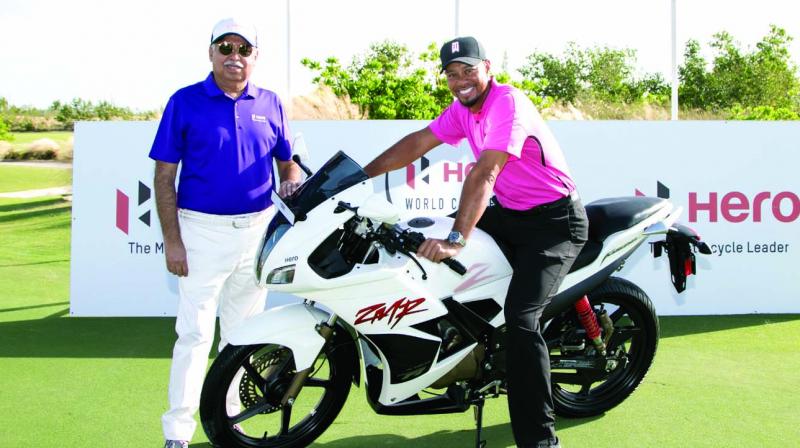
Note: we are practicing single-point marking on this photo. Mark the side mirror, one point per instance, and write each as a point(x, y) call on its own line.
point(379, 209)
point(300, 153)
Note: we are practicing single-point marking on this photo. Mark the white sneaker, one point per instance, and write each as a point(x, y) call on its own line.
point(176, 444)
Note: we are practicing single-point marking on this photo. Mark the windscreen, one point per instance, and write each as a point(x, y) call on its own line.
point(336, 175)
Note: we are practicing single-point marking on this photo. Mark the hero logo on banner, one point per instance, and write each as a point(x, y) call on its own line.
point(661, 191)
point(144, 212)
point(737, 207)
point(123, 208)
point(431, 185)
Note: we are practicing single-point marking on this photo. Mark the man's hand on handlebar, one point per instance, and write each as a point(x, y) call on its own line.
point(437, 250)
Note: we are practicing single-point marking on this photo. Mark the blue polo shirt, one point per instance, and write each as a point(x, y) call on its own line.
point(225, 146)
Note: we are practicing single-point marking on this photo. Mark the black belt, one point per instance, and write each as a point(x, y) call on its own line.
point(541, 208)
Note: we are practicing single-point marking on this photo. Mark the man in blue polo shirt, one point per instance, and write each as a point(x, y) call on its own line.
point(225, 133)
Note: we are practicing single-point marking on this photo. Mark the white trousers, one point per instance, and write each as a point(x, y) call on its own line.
point(221, 252)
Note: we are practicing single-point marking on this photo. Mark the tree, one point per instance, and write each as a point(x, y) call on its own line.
point(82, 110)
point(693, 86)
point(560, 78)
point(743, 80)
point(777, 83)
point(387, 82)
point(609, 73)
point(600, 74)
point(5, 135)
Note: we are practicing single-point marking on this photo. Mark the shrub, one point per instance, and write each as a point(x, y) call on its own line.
point(42, 149)
point(5, 148)
point(762, 113)
point(5, 134)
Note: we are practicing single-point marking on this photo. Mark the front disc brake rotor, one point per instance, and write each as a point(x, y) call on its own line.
point(266, 365)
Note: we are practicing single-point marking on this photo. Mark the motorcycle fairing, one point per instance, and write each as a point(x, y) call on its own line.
point(378, 370)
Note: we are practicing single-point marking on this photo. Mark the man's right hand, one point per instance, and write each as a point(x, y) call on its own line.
point(175, 254)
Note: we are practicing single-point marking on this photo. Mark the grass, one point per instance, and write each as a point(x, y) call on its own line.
point(19, 178)
point(23, 138)
point(721, 381)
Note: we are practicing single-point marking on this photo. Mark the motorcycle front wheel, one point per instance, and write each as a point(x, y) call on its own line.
point(586, 392)
point(259, 375)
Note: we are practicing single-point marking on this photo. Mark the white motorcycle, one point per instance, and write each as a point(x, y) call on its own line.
point(425, 337)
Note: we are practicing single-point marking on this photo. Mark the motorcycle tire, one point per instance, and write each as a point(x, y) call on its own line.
point(263, 422)
point(635, 339)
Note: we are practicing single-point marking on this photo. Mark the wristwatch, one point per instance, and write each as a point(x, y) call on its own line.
point(455, 237)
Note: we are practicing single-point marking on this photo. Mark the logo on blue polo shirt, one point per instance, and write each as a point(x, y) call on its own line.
point(258, 118)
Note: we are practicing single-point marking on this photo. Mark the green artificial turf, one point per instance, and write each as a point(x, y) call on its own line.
point(18, 178)
point(721, 381)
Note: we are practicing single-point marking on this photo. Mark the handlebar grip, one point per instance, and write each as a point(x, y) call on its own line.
point(455, 265)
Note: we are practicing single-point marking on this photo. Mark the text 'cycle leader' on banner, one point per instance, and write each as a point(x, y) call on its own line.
point(734, 180)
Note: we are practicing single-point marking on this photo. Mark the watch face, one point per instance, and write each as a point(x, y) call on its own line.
point(455, 238)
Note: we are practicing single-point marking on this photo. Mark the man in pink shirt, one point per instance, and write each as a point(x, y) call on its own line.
point(535, 214)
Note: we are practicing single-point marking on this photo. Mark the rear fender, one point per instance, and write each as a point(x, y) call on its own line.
point(680, 245)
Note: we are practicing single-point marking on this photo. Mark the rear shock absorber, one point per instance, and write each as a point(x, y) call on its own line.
point(589, 322)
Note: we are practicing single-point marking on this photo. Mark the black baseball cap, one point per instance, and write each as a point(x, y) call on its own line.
point(462, 49)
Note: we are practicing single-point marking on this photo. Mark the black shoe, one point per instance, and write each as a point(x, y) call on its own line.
point(549, 443)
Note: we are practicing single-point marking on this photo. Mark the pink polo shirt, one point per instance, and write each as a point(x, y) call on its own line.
point(536, 172)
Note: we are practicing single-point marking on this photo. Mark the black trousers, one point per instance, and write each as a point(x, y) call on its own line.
point(541, 245)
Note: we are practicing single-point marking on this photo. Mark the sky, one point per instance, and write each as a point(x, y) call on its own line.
point(137, 53)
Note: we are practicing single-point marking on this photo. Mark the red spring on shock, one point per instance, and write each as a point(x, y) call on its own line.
point(589, 322)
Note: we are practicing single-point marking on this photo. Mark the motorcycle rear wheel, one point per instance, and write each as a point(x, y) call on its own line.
point(266, 371)
point(585, 392)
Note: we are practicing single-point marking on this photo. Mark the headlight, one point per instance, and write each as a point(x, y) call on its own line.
point(281, 276)
point(270, 240)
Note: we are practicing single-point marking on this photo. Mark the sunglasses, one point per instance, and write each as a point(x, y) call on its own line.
point(226, 48)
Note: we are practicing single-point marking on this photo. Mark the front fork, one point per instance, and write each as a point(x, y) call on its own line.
point(326, 331)
point(588, 319)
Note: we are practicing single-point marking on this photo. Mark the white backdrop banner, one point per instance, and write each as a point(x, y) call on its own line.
point(737, 183)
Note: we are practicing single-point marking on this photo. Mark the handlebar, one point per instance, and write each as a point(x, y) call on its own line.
point(411, 241)
point(404, 241)
point(455, 265)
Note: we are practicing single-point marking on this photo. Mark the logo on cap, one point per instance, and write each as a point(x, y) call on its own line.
point(454, 47)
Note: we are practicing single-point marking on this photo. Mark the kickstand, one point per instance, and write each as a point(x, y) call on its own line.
point(479, 424)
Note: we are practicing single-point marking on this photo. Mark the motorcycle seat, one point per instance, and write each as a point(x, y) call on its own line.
point(610, 215)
